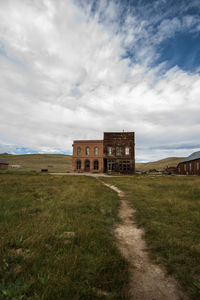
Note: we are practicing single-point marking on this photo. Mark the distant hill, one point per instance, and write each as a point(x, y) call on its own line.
point(63, 163)
point(52, 162)
point(160, 164)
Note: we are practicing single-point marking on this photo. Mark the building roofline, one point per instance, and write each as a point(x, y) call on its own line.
point(185, 161)
point(120, 132)
point(191, 157)
point(87, 141)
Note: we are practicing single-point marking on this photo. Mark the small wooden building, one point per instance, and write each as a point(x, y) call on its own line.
point(190, 165)
point(170, 170)
point(3, 164)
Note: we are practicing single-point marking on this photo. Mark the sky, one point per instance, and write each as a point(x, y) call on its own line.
point(74, 69)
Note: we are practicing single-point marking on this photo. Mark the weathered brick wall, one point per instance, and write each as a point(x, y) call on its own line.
point(121, 140)
point(189, 167)
point(91, 157)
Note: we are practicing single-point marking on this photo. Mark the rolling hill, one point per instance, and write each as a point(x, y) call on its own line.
point(160, 164)
point(36, 162)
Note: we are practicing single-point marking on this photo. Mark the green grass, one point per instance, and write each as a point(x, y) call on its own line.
point(168, 208)
point(36, 162)
point(56, 239)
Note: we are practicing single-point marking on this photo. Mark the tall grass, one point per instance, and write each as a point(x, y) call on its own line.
point(169, 210)
point(56, 239)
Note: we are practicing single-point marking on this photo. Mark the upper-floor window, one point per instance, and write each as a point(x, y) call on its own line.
point(127, 151)
point(96, 151)
point(78, 150)
point(87, 150)
point(109, 150)
point(118, 150)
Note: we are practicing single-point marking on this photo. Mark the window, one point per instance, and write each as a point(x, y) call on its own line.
point(118, 150)
point(127, 152)
point(111, 165)
point(96, 151)
point(110, 150)
point(124, 165)
point(78, 150)
point(87, 150)
point(198, 166)
point(185, 167)
point(96, 165)
point(78, 165)
point(190, 167)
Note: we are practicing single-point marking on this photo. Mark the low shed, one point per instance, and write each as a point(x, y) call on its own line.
point(3, 164)
point(190, 165)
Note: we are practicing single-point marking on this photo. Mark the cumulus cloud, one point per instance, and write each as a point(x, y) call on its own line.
point(71, 71)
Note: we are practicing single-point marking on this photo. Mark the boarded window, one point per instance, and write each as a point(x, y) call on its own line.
point(118, 150)
point(78, 150)
point(109, 150)
point(96, 165)
point(127, 151)
point(96, 151)
point(87, 151)
point(78, 165)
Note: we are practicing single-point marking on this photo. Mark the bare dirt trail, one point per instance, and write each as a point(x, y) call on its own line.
point(147, 281)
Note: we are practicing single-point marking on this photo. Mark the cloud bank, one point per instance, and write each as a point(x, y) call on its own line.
point(71, 71)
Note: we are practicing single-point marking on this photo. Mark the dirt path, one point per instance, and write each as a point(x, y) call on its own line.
point(147, 281)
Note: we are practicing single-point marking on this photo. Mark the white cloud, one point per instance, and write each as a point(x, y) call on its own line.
point(63, 78)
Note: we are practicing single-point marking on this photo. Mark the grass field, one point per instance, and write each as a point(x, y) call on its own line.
point(56, 239)
point(168, 208)
point(36, 162)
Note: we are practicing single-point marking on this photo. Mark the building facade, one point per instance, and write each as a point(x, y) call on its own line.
point(115, 153)
point(190, 165)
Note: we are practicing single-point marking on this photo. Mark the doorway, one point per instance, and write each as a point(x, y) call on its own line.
point(87, 165)
point(105, 165)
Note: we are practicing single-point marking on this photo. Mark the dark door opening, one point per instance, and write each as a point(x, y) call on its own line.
point(87, 165)
point(105, 165)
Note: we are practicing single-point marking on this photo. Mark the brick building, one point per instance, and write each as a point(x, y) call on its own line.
point(115, 153)
point(190, 165)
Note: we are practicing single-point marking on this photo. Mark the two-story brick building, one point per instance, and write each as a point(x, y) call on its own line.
point(115, 153)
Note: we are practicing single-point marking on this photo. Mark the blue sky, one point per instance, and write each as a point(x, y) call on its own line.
point(73, 69)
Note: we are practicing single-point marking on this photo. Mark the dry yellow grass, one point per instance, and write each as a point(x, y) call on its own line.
point(160, 164)
point(36, 162)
